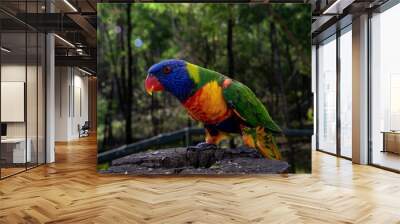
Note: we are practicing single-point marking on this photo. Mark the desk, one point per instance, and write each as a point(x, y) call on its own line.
point(16, 147)
point(391, 141)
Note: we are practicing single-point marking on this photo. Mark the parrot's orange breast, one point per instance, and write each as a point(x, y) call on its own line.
point(208, 104)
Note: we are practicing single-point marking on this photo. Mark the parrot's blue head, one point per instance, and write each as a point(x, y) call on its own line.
point(171, 75)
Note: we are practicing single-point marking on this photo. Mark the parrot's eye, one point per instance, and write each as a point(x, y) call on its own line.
point(167, 70)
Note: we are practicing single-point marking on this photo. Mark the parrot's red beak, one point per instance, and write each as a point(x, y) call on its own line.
point(152, 84)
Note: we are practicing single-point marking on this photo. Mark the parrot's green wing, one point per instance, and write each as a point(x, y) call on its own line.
point(248, 107)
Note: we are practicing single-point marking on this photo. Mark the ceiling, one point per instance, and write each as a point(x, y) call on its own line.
point(74, 22)
point(330, 15)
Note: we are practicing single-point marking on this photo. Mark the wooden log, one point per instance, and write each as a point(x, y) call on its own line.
point(183, 161)
point(166, 138)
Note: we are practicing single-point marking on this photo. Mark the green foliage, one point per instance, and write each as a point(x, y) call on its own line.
point(271, 55)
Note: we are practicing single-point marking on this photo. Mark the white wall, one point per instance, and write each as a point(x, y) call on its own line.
point(16, 73)
point(33, 127)
point(80, 110)
point(62, 81)
point(71, 102)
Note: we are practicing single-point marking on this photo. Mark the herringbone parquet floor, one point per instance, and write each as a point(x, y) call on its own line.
point(70, 191)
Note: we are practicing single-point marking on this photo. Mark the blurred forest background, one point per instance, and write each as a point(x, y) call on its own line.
point(265, 46)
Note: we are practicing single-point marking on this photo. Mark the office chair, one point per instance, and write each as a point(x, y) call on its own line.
point(84, 130)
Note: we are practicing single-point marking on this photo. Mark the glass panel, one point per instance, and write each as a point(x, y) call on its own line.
point(31, 97)
point(314, 91)
point(327, 96)
point(346, 93)
point(385, 84)
point(31, 86)
point(41, 99)
point(23, 88)
point(2, 161)
point(13, 87)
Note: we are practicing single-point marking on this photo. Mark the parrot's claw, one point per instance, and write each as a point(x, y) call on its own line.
point(202, 146)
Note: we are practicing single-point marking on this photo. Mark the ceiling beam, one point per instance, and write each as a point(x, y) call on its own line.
point(79, 61)
point(337, 7)
point(86, 27)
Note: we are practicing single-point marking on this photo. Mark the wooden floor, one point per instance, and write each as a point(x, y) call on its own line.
point(10, 171)
point(70, 191)
point(386, 159)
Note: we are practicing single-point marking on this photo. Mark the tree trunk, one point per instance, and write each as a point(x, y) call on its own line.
point(276, 70)
point(153, 117)
point(229, 47)
point(231, 61)
point(130, 73)
point(108, 135)
point(297, 86)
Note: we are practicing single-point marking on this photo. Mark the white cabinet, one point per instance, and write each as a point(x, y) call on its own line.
point(19, 155)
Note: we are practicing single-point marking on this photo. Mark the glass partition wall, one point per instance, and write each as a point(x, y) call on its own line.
point(334, 93)
point(335, 130)
point(22, 101)
point(345, 91)
point(13, 110)
point(327, 95)
point(385, 89)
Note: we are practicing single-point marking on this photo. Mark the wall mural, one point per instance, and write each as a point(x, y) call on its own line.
point(204, 88)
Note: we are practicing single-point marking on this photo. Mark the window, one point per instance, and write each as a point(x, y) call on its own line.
point(22, 101)
point(327, 95)
point(346, 92)
point(385, 88)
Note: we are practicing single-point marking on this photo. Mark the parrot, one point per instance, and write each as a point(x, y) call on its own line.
point(225, 106)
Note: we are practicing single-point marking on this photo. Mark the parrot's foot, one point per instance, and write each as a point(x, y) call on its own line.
point(202, 146)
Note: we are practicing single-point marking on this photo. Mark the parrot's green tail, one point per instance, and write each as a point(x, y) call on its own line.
point(266, 144)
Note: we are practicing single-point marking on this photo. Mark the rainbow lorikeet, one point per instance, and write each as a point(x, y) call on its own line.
point(224, 105)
